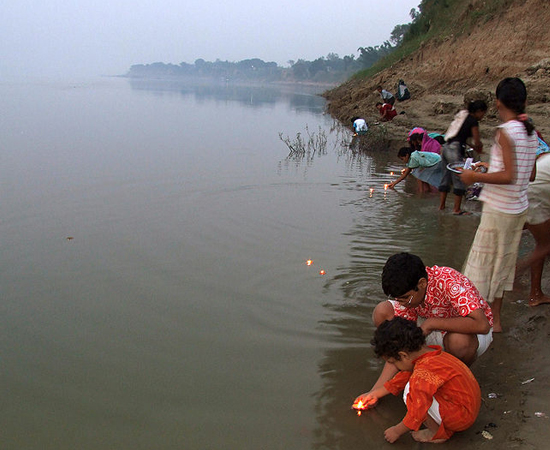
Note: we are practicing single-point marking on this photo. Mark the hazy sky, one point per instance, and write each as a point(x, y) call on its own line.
point(105, 37)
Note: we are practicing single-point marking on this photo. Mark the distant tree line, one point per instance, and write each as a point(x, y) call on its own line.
point(331, 68)
point(326, 69)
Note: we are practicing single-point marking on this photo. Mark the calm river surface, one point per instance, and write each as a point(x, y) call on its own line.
point(153, 277)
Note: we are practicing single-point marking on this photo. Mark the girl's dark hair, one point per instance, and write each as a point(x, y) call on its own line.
point(477, 105)
point(397, 335)
point(404, 151)
point(416, 137)
point(512, 93)
point(401, 274)
point(440, 139)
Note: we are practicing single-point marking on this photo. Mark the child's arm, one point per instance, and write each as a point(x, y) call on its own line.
point(506, 176)
point(395, 432)
point(371, 397)
point(474, 323)
point(478, 145)
point(401, 178)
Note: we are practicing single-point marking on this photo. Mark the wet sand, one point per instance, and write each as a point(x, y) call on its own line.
point(517, 370)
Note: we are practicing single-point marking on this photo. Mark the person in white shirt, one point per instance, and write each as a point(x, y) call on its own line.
point(359, 126)
point(387, 96)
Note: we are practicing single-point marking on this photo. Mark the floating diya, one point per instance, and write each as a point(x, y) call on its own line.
point(361, 406)
point(391, 173)
point(322, 272)
point(386, 187)
point(309, 262)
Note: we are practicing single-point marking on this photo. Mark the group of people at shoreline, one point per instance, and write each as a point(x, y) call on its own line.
point(437, 321)
point(432, 153)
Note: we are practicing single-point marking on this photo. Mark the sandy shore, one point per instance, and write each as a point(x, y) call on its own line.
point(514, 377)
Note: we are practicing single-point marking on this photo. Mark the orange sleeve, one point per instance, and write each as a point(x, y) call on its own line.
point(398, 382)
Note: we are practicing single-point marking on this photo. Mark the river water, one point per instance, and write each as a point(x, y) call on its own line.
point(154, 286)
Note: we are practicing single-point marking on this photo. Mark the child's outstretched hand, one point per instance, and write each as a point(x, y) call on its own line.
point(365, 401)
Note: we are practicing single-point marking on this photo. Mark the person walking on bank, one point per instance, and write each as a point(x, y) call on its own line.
point(538, 223)
point(454, 150)
point(492, 259)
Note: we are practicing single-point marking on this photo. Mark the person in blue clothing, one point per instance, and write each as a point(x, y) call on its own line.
point(425, 166)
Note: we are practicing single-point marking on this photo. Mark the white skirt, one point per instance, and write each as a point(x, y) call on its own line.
point(491, 263)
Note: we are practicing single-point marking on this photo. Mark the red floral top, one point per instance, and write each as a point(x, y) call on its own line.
point(448, 294)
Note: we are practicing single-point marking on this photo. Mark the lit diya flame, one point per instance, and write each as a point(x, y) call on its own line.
point(361, 406)
point(385, 187)
point(322, 272)
point(391, 173)
point(309, 262)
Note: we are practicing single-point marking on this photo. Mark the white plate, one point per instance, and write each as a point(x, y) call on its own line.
point(454, 167)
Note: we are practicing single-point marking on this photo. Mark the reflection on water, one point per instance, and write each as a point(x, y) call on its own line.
point(182, 315)
point(303, 98)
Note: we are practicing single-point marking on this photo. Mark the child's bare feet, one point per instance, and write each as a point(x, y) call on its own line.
point(539, 300)
point(426, 435)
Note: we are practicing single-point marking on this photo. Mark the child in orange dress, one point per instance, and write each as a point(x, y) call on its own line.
point(439, 389)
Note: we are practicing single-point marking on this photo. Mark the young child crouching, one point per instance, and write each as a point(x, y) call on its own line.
point(438, 389)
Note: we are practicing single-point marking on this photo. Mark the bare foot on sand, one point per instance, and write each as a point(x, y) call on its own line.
point(539, 300)
point(426, 435)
